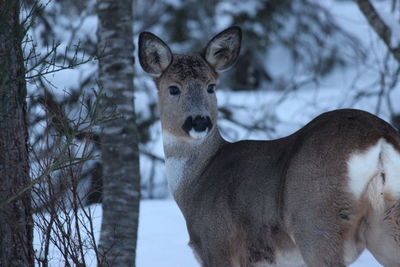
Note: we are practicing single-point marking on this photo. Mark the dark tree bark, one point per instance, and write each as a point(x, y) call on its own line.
point(119, 137)
point(15, 217)
point(379, 26)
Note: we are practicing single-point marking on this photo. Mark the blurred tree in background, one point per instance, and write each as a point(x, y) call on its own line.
point(306, 29)
point(119, 136)
point(303, 36)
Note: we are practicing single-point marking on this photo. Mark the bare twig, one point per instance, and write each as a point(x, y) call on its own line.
point(379, 26)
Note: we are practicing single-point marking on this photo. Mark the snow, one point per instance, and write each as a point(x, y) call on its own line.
point(162, 238)
point(249, 7)
point(68, 221)
point(291, 111)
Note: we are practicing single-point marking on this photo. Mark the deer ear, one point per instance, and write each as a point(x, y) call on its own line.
point(223, 49)
point(154, 55)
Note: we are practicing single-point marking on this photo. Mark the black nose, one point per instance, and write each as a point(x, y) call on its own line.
point(199, 124)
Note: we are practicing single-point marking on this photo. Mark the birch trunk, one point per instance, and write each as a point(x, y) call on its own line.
point(119, 137)
point(15, 217)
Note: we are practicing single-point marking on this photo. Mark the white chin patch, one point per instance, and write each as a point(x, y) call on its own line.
point(198, 135)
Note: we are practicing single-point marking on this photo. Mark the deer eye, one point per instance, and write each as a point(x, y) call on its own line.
point(211, 88)
point(174, 90)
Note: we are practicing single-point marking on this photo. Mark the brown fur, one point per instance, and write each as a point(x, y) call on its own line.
point(174, 110)
point(254, 201)
point(392, 217)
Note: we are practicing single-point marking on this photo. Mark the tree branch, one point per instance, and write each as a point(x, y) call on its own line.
point(379, 26)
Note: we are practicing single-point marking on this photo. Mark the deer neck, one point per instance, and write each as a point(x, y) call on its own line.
point(186, 159)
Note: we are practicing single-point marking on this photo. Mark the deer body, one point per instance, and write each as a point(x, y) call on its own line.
point(318, 197)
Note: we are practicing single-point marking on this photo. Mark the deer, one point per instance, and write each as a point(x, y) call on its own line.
point(317, 197)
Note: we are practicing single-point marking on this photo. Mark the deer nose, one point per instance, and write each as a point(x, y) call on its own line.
point(201, 123)
point(198, 123)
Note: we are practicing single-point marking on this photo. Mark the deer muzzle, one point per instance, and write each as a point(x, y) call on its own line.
point(197, 126)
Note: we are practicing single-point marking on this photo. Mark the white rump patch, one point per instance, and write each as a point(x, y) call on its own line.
point(174, 170)
point(391, 165)
point(375, 171)
point(198, 135)
point(362, 167)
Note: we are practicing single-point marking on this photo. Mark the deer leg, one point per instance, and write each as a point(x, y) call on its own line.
point(217, 258)
point(215, 254)
point(392, 218)
point(321, 234)
point(384, 239)
point(325, 250)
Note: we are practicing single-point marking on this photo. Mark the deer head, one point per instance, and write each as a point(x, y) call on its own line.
point(186, 83)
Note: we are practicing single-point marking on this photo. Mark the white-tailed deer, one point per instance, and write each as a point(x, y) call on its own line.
point(318, 197)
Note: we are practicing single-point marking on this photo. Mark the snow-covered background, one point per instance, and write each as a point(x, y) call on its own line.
point(162, 240)
point(162, 243)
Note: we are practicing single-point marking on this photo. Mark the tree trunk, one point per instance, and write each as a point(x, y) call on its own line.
point(119, 137)
point(15, 217)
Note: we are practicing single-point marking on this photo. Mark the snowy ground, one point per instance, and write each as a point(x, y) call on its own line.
point(163, 238)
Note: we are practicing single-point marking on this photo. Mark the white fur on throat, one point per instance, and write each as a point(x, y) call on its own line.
point(174, 168)
point(175, 165)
